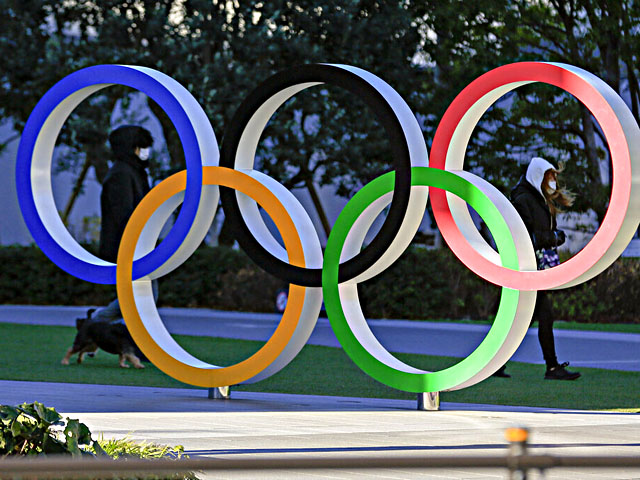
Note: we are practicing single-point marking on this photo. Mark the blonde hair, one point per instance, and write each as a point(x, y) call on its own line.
point(560, 197)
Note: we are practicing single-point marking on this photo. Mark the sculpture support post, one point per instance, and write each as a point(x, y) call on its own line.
point(429, 401)
point(220, 393)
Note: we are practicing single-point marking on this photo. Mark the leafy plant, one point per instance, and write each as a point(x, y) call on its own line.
point(125, 447)
point(33, 429)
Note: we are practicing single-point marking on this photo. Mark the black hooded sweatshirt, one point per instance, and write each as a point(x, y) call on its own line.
point(125, 184)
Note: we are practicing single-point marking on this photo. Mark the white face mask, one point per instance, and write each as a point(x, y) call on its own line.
point(144, 154)
point(552, 185)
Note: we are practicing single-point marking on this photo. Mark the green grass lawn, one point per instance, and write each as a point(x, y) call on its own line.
point(33, 353)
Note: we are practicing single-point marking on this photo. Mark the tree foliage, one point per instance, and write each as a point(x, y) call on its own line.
point(33, 429)
point(220, 51)
point(537, 119)
point(429, 51)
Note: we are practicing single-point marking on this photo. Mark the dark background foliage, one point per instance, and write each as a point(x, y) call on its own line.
point(422, 284)
point(427, 50)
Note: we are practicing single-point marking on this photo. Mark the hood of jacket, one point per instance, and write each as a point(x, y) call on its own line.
point(125, 139)
point(535, 172)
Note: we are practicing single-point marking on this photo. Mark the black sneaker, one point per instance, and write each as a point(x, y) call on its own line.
point(501, 372)
point(560, 373)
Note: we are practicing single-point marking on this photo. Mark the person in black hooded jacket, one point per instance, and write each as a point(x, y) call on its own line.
point(124, 186)
point(537, 199)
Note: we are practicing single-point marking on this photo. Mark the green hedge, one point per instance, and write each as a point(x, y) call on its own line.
point(29, 277)
point(428, 284)
point(434, 284)
point(219, 278)
point(611, 297)
point(421, 284)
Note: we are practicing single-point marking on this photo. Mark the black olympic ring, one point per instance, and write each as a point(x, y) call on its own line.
point(263, 93)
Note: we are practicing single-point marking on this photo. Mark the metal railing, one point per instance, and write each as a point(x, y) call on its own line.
point(49, 467)
point(517, 462)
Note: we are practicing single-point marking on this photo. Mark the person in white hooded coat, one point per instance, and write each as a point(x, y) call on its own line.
point(537, 198)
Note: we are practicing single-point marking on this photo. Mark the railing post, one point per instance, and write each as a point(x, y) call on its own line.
point(517, 438)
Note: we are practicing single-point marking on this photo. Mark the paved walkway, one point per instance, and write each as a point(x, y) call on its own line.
point(290, 426)
point(261, 424)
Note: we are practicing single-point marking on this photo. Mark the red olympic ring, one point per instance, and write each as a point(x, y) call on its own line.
point(622, 134)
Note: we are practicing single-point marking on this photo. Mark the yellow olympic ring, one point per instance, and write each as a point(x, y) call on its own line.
point(135, 296)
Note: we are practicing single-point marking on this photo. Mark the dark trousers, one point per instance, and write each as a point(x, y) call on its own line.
point(543, 313)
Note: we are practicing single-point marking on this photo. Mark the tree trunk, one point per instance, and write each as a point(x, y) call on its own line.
point(315, 198)
point(94, 157)
point(633, 90)
point(174, 147)
point(226, 236)
point(591, 150)
point(76, 188)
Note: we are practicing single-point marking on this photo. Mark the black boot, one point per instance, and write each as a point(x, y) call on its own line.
point(560, 373)
point(501, 372)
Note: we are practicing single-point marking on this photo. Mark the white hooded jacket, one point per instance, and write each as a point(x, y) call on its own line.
point(535, 172)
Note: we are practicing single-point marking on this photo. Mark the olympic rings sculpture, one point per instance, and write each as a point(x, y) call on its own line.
point(333, 276)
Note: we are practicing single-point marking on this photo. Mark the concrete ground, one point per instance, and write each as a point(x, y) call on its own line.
point(258, 425)
point(278, 425)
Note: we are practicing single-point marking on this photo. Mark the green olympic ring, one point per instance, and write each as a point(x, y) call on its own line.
point(352, 331)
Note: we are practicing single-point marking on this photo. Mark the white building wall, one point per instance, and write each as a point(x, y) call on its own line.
point(12, 227)
point(13, 230)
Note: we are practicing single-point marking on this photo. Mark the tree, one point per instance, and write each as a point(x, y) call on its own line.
point(326, 135)
point(467, 40)
point(428, 51)
point(600, 37)
point(322, 136)
point(43, 41)
point(220, 51)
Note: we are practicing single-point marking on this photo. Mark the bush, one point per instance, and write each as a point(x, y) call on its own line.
point(611, 297)
point(29, 277)
point(218, 278)
point(421, 284)
point(33, 429)
point(428, 284)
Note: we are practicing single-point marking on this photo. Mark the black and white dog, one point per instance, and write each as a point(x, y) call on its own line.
point(112, 337)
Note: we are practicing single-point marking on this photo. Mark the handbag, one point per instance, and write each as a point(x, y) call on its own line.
point(547, 258)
